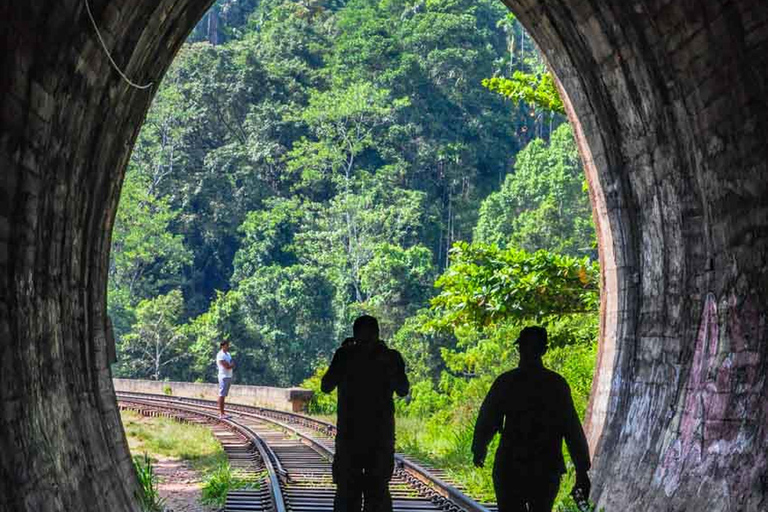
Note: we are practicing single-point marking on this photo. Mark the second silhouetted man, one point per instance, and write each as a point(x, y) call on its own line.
point(533, 409)
point(367, 374)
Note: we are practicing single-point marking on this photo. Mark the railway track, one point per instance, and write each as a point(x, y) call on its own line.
point(290, 455)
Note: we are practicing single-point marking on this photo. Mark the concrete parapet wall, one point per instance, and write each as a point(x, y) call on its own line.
point(286, 399)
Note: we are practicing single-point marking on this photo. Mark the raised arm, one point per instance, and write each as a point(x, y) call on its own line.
point(400, 380)
point(490, 420)
point(332, 377)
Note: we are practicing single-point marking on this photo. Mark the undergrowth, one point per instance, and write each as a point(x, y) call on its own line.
point(164, 437)
point(220, 481)
point(149, 498)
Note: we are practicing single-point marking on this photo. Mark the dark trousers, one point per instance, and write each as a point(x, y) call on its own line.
point(524, 495)
point(361, 475)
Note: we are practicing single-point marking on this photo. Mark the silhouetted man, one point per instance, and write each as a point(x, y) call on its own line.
point(533, 409)
point(366, 373)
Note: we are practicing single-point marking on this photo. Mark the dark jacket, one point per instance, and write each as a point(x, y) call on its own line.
point(366, 375)
point(533, 409)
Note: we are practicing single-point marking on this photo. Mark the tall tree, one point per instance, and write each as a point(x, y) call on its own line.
point(544, 203)
point(146, 257)
point(156, 340)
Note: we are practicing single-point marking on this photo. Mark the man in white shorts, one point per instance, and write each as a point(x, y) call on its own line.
point(225, 364)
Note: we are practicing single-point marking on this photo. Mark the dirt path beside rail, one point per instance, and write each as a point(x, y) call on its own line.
point(180, 485)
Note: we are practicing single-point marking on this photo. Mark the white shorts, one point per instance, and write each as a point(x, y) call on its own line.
point(224, 384)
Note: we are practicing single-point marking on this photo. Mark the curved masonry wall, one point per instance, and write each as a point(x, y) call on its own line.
point(671, 99)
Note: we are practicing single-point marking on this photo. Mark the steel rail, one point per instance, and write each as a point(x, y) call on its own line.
point(443, 489)
point(269, 459)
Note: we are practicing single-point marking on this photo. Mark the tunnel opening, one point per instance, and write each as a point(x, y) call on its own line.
point(193, 194)
point(669, 104)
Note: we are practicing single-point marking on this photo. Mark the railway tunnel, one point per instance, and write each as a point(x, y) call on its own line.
point(668, 100)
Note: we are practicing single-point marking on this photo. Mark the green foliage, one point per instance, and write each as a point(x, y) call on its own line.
point(141, 239)
point(220, 482)
point(485, 285)
point(488, 295)
point(149, 498)
point(322, 100)
point(223, 320)
point(395, 283)
point(146, 256)
point(420, 344)
point(576, 362)
point(268, 237)
point(164, 437)
point(308, 162)
point(543, 204)
point(425, 400)
point(286, 315)
point(535, 89)
point(155, 340)
point(276, 315)
point(320, 403)
point(343, 124)
point(353, 235)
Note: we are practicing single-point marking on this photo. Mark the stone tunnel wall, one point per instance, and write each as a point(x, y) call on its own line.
point(67, 125)
point(669, 102)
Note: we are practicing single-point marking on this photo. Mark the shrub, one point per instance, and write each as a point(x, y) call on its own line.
point(220, 482)
point(149, 498)
point(424, 400)
point(320, 403)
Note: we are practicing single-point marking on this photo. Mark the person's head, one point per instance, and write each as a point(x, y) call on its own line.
point(532, 343)
point(224, 345)
point(366, 329)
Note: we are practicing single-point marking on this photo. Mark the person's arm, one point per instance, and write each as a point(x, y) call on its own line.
point(490, 420)
point(332, 377)
point(577, 444)
point(400, 380)
point(224, 363)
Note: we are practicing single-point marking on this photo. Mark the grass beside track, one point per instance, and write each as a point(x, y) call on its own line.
point(448, 447)
point(163, 437)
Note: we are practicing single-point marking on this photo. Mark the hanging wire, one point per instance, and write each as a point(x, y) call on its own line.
point(103, 45)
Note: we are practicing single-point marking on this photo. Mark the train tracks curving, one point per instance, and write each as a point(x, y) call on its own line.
point(290, 456)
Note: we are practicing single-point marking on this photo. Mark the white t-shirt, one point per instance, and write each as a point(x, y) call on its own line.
point(224, 373)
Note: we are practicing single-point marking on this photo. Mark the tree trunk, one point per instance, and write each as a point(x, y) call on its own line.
point(213, 26)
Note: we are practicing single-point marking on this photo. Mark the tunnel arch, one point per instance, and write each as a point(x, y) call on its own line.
point(668, 100)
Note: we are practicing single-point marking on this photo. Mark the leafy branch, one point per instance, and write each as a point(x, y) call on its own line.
point(485, 285)
point(534, 89)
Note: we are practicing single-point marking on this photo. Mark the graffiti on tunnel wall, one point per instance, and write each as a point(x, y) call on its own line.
point(724, 387)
